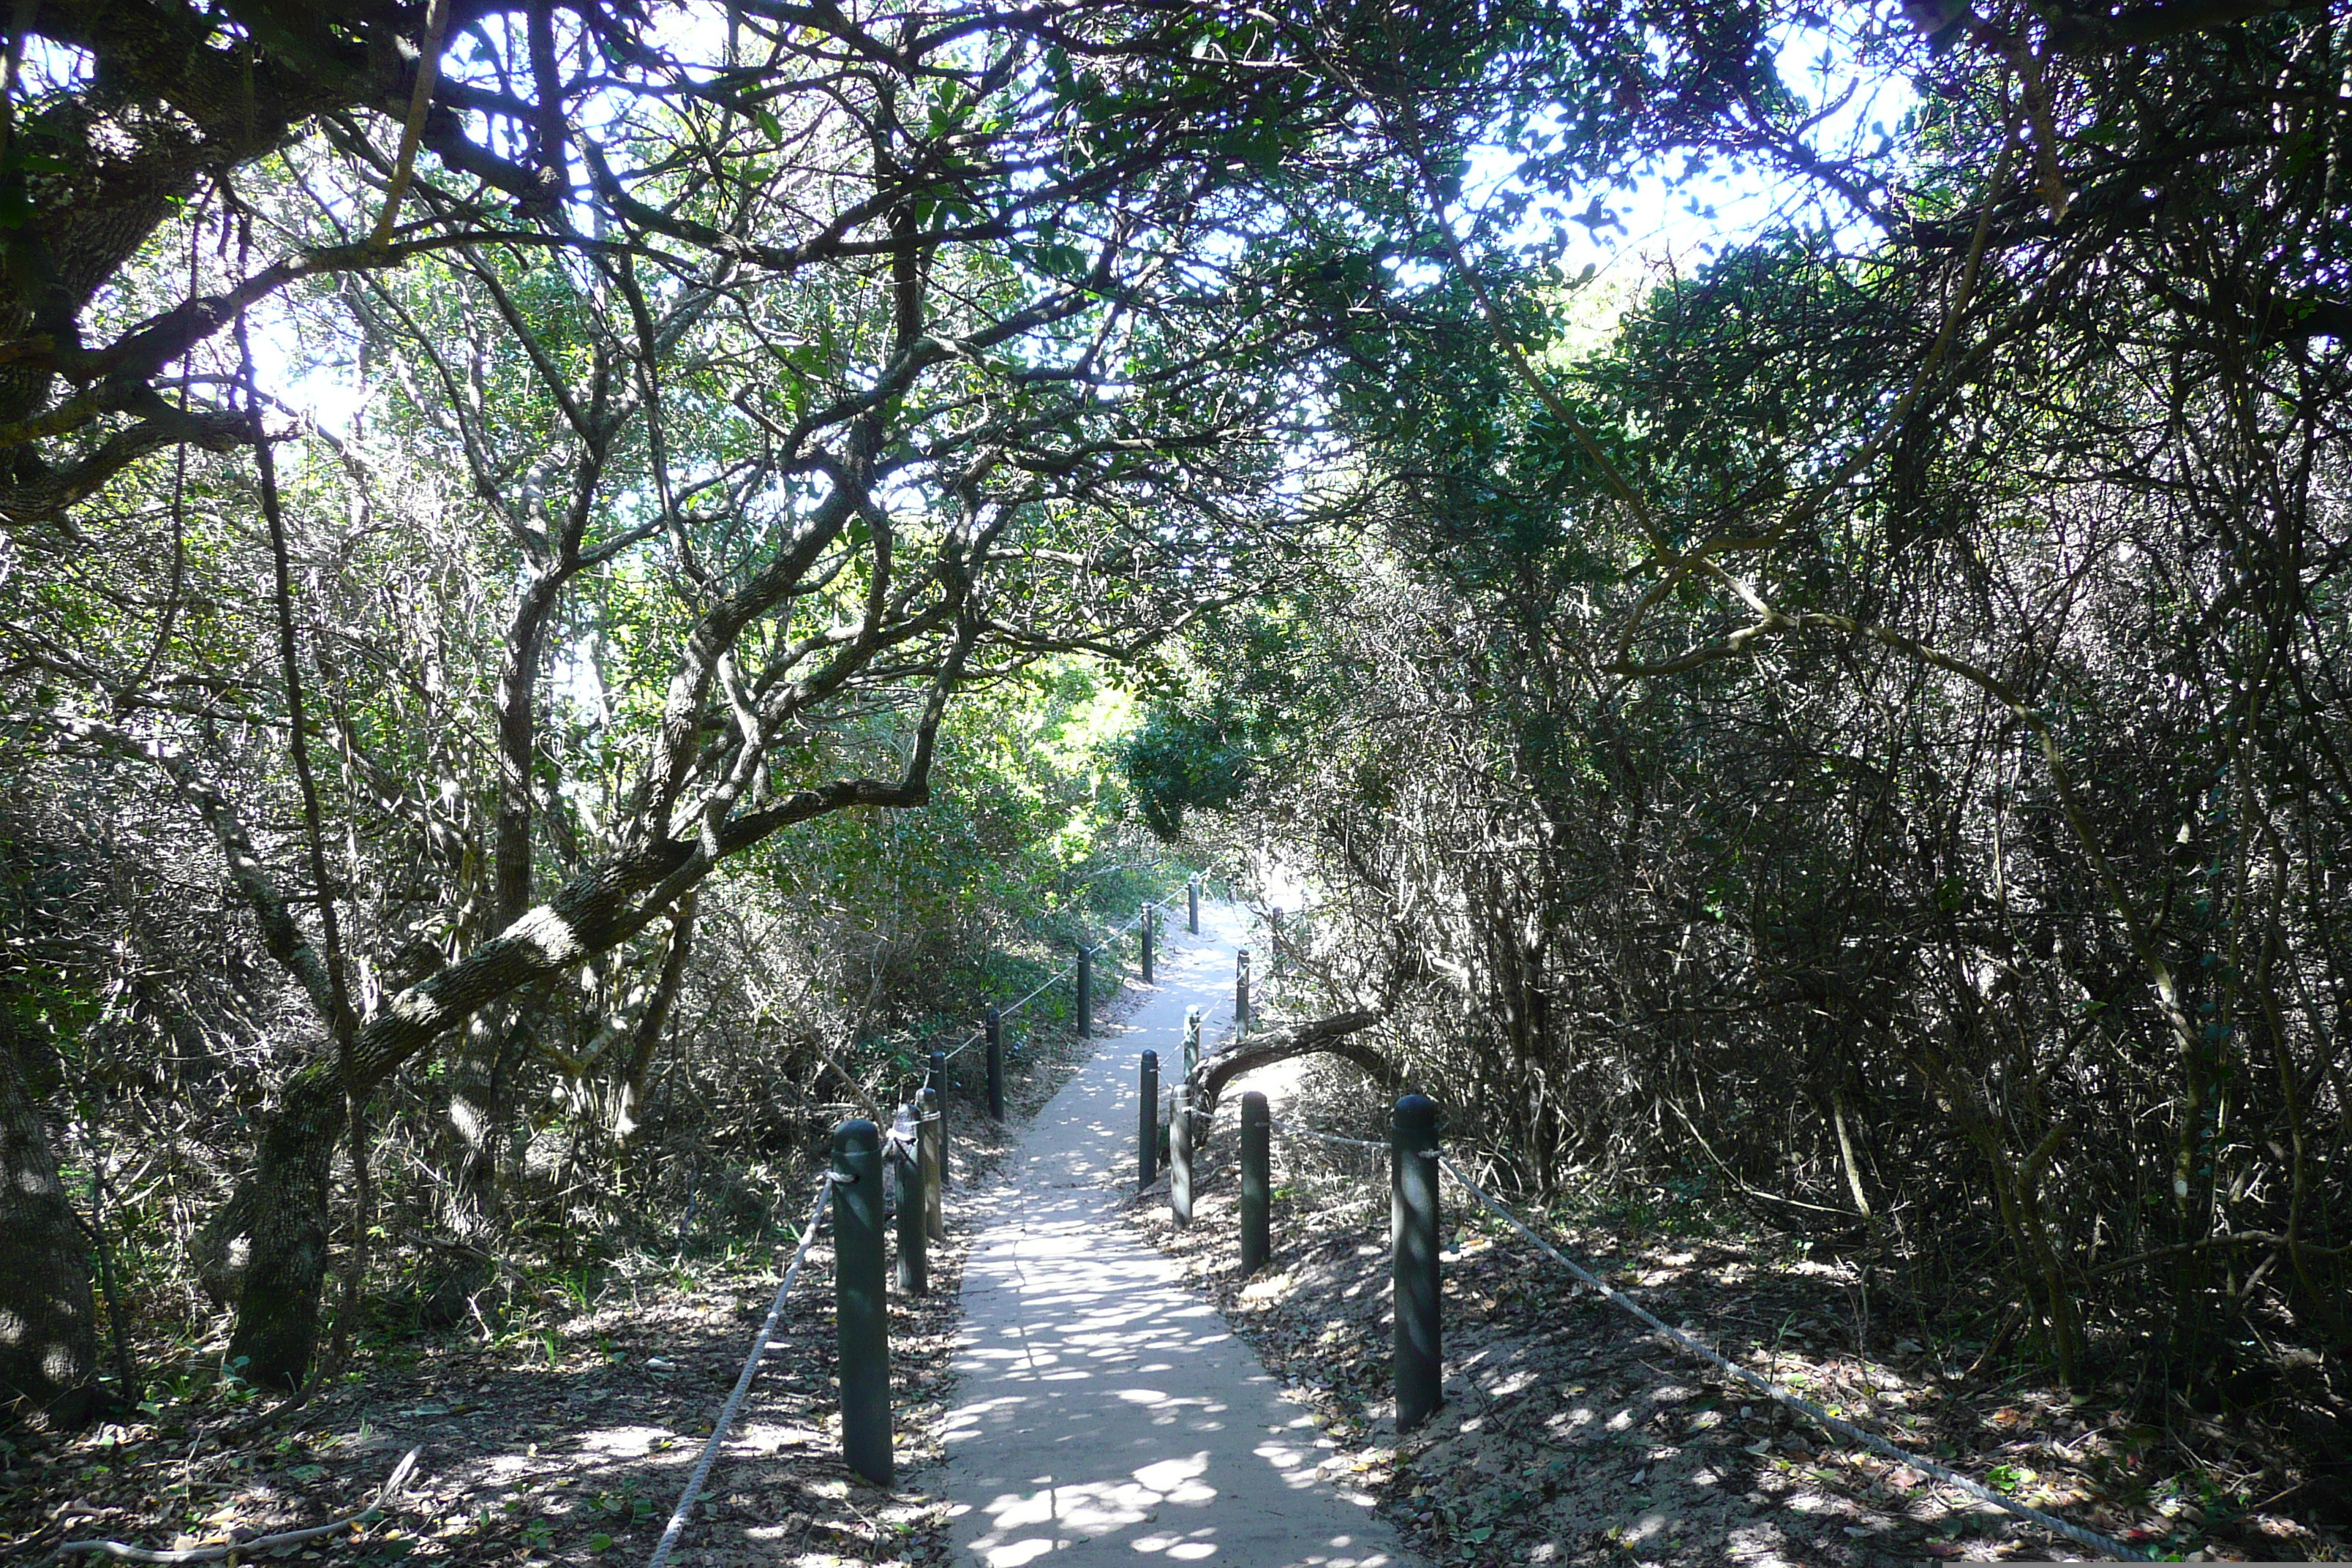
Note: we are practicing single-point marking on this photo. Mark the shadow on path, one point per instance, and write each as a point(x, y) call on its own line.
point(1103, 1412)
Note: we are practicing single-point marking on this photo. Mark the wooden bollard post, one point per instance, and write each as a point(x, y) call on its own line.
point(1241, 992)
point(938, 1083)
point(860, 1312)
point(1147, 1132)
point(1420, 1364)
point(1258, 1182)
point(1192, 905)
point(995, 1065)
point(1085, 991)
point(912, 1275)
point(1192, 1042)
point(1148, 913)
point(932, 1154)
point(1180, 1156)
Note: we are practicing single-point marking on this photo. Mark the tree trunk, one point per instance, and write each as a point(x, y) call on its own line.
point(281, 1204)
point(49, 1319)
point(474, 1130)
point(645, 1039)
point(283, 1201)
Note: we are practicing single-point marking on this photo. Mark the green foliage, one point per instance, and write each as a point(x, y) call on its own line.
point(1181, 759)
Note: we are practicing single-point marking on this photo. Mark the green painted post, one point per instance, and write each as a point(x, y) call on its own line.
point(1192, 905)
point(1180, 1157)
point(1241, 992)
point(860, 1312)
point(1258, 1182)
point(995, 1065)
point(912, 1276)
point(939, 1084)
point(1192, 1042)
point(931, 1151)
point(1085, 991)
point(1146, 1157)
point(1420, 1364)
point(1148, 913)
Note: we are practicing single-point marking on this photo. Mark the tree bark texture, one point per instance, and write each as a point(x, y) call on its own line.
point(1325, 1035)
point(48, 1329)
point(283, 1203)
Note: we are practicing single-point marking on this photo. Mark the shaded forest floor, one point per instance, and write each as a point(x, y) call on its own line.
point(1572, 1435)
point(562, 1435)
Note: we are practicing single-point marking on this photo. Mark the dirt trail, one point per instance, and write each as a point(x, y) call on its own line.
point(1102, 1410)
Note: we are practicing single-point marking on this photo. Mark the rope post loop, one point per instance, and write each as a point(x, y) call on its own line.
point(995, 1065)
point(912, 1273)
point(861, 1323)
point(1147, 1132)
point(1150, 919)
point(931, 1158)
point(1257, 1182)
point(1241, 992)
point(1180, 1156)
point(938, 1083)
point(1085, 991)
point(1420, 1367)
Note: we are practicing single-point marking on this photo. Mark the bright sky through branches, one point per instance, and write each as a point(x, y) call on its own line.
point(1685, 219)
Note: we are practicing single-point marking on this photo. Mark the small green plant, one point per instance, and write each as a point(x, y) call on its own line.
point(578, 1291)
point(624, 1507)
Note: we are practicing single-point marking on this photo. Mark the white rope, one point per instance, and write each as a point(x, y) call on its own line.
point(742, 1384)
point(1053, 980)
point(1327, 1137)
point(1806, 1408)
point(1056, 980)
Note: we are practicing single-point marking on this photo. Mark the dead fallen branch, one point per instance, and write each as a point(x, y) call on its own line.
point(130, 1553)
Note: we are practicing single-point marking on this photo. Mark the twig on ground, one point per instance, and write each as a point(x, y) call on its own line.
point(130, 1553)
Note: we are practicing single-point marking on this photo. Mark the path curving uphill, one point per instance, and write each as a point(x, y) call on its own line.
point(1104, 1412)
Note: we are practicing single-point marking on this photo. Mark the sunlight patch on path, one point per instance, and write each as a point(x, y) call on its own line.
point(1104, 1412)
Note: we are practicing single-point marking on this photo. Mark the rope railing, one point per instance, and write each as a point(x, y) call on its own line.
point(1805, 1407)
point(977, 1035)
point(1256, 1185)
point(1286, 1127)
point(727, 1411)
point(916, 1151)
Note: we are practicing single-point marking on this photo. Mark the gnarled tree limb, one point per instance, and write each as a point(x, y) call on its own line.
point(1254, 1051)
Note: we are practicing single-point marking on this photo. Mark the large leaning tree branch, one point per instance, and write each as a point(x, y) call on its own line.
point(1334, 1036)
